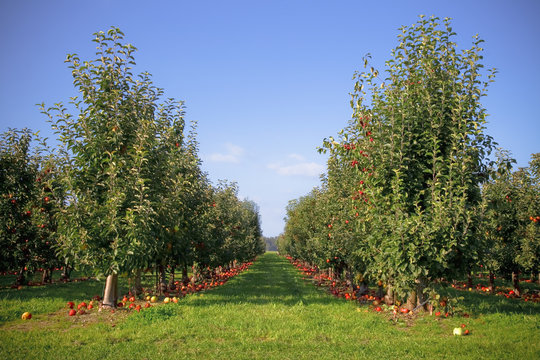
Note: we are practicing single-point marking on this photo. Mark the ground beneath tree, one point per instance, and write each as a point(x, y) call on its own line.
point(270, 312)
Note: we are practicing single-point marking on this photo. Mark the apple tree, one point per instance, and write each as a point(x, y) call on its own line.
point(109, 216)
point(238, 225)
point(18, 174)
point(417, 143)
point(181, 200)
point(509, 222)
point(28, 205)
point(529, 213)
point(302, 229)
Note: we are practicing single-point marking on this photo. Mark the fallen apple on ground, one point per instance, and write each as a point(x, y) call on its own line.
point(26, 316)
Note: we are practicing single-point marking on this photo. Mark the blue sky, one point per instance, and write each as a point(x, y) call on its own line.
point(266, 81)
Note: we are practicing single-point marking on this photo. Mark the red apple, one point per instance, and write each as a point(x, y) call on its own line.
point(72, 312)
point(26, 316)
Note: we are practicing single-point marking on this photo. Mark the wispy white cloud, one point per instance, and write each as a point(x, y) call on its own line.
point(300, 168)
point(232, 155)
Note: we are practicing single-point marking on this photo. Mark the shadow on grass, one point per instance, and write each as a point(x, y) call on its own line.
point(66, 291)
point(271, 280)
point(77, 289)
point(477, 303)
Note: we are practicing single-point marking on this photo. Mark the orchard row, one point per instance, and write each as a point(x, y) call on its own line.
point(412, 194)
point(123, 192)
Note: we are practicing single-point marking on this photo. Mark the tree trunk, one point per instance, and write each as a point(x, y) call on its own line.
point(172, 286)
point(417, 299)
point(491, 282)
point(423, 298)
point(339, 272)
point(469, 280)
point(380, 292)
point(389, 297)
point(162, 282)
point(535, 276)
point(110, 297)
point(137, 285)
point(349, 278)
point(46, 276)
point(185, 277)
point(411, 300)
point(515, 282)
point(362, 289)
point(65, 273)
point(195, 276)
point(20, 277)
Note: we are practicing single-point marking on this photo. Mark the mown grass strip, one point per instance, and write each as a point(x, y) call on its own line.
point(268, 312)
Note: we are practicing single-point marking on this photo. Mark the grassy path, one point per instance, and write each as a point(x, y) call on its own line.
point(267, 312)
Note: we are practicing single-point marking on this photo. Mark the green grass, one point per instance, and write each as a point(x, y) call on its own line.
point(267, 312)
